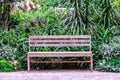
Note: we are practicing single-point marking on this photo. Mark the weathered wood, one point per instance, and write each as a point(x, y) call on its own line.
point(59, 61)
point(59, 54)
point(28, 60)
point(52, 45)
point(61, 36)
point(33, 41)
point(60, 41)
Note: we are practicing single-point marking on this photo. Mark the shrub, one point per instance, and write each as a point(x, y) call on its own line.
point(111, 49)
point(110, 54)
point(7, 52)
point(110, 64)
point(6, 66)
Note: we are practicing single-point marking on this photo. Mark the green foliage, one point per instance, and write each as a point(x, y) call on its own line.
point(6, 66)
point(7, 52)
point(107, 13)
point(108, 64)
point(110, 54)
point(5, 8)
point(88, 17)
point(47, 3)
point(116, 3)
point(112, 49)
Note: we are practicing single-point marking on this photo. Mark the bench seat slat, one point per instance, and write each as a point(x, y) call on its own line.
point(59, 54)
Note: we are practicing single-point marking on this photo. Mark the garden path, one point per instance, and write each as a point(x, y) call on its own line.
point(59, 75)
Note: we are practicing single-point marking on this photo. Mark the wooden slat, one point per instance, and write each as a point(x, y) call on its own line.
point(59, 41)
point(68, 52)
point(65, 40)
point(62, 36)
point(50, 45)
point(59, 54)
point(59, 61)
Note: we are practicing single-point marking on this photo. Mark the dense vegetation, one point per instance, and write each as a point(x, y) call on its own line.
point(101, 19)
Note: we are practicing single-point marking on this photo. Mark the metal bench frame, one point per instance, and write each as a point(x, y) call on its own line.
point(60, 41)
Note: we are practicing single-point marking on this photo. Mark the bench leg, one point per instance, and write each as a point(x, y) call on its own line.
point(91, 63)
point(28, 64)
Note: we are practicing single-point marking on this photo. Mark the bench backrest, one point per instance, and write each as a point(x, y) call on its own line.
point(60, 41)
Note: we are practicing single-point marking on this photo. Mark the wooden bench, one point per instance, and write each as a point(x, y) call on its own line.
point(60, 41)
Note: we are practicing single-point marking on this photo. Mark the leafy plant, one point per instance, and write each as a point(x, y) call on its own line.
point(7, 52)
point(112, 49)
point(107, 13)
point(6, 66)
point(116, 3)
point(110, 64)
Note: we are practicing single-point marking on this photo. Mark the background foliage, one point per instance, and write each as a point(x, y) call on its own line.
point(101, 19)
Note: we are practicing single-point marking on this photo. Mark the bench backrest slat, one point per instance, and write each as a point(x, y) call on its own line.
point(60, 40)
point(62, 36)
point(43, 45)
point(32, 41)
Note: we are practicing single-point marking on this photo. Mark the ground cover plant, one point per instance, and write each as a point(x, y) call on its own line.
point(100, 19)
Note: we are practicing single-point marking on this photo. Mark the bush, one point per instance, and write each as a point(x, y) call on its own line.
point(112, 49)
point(7, 52)
point(110, 64)
point(6, 66)
point(110, 54)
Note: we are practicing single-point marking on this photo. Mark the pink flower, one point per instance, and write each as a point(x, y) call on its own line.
point(57, 14)
point(56, 8)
